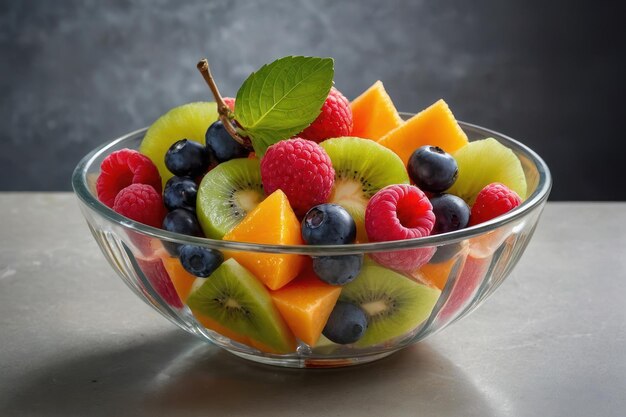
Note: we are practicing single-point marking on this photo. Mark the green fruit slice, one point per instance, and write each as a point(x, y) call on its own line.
point(234, 298)
point(362, 167)
point(483, 162)
point(394, 304)
point(226, 194)
point(189, 121)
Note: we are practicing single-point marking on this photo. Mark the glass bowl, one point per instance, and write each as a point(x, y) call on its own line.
point(467, 267)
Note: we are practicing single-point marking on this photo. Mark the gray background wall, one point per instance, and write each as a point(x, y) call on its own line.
point(74, 74)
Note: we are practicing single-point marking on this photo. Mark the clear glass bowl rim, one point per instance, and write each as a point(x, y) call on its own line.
point(540, 194)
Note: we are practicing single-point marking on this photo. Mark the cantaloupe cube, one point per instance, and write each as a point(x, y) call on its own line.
point(373, 113)
point(271, 222)
point(306, 304)
point(434, 126)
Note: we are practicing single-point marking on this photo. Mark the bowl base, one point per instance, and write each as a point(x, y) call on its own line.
point(312, 363)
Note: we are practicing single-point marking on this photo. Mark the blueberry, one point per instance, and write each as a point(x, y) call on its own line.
point(328, 224)
point(199, 261)
point(221, 145)
point(180, 192)
point(347, 323)
point(451, 213)
point(338, 270)
point(432, 169)
point(180, 221)
point(187, 158)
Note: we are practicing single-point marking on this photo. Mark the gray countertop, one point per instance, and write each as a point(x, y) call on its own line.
point(75, 341)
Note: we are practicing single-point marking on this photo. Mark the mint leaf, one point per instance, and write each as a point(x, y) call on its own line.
point(282, 98)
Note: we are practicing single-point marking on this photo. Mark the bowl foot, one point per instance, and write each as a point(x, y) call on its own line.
point(312, 362)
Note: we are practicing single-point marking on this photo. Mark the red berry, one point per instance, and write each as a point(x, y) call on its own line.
point(492, 201)
point(230, 102)
point(399, 212)
point(123, 168)
point(301, 169)
point(334, 120)
point(140, 202)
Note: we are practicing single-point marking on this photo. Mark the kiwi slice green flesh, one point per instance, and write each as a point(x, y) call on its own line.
point(362, 167)
point(483, 162)
point(234, 298)
point(394, 304)
point(226, 194)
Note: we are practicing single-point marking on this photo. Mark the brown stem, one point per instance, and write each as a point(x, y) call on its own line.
point(224, 112)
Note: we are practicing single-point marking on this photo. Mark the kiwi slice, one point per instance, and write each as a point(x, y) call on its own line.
point(234, 298)
point(483, 162)
point(226, 194)
point(362, 167)
point(189, 121)
point(394, 304)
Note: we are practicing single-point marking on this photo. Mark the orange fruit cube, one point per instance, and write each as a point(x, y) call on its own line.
point(373, 113)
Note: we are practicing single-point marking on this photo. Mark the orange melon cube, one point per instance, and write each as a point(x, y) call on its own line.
point(437, 274)
point(434, 125)
point(373, 113)
point(306, 304)
point(181, 279)
point(271, 222)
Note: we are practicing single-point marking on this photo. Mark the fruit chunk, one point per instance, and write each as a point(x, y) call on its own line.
point(493, 201)
point(483, 162)
point(437, 273)
point(305, 304)
point(328, 224)
point(189, 121)
point(373, 113)
point(435, 126)
point(465, 286)
point(362, 167)
point(301, 169)
point(271, 222)
point(395, 305)
point(182, 280)
point(235, 299)
point(142, 203)
point(154, 271)
point(227, 194)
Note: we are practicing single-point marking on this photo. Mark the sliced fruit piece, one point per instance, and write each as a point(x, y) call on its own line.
point(395, 305)
point(435, 126)
point(362, 167)
point(182, 280)
point(437, 273)
point(189, 121)
point(465, 287)
point(305, 304)
point(271, 222)
point(373, 113)
point(483, 162)
point(227, 194)
point(153, 269)
point(235, 299)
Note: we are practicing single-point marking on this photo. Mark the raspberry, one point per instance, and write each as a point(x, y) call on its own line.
point(230, 102)
point(399, 212)
point(492, 201)
point(140, 202)
point(301, 169)
point(154, 270)
point(334, 120)
point(123, 168)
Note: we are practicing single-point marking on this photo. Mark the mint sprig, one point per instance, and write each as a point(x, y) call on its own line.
point(282, 98)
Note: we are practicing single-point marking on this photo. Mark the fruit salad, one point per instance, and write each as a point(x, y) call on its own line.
point(291, 161)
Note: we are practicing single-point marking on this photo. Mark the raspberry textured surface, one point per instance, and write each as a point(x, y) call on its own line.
point(141, 202)
point(492, 201)
point(301, 169)
point(123, 168)
point(399, 212)
point(334, 120)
